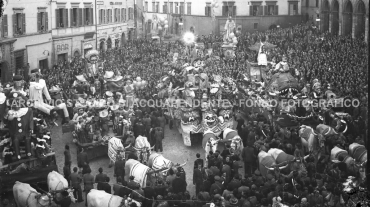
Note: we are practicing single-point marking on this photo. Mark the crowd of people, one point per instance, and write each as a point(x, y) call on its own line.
point(315, 56)
point(336, 61)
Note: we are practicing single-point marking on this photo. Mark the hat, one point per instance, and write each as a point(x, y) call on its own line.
point(217, 178)
point(109, 93)
point(108, 74)
point(304, 200)
point(17, 78)
point(114, 107)
point(54, 89)
point(81, 78)
point(204, 96)
point(35, 71)
point(103, 113)
point(257, 172)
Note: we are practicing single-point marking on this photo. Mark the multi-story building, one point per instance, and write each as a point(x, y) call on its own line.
point(343, 17)
point(25, 37)
point(73, 28)
point(200, 15)
point(115, 23)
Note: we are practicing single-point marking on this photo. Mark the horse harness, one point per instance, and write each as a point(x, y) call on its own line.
point(29, 195)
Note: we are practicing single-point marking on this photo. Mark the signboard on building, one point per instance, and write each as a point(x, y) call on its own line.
point(100, 3)
point(115, 3)
point(62, 48)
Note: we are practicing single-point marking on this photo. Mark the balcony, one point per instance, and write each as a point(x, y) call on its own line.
point(71, 31)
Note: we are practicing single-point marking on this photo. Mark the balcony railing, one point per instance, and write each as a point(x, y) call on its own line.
point(73, 30)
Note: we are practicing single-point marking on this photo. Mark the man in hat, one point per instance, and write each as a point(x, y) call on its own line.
point(217, 187)
point(18, 85)
point(37, 89)
point(20, 124)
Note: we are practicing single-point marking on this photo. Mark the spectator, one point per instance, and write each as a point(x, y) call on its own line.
point(178, 184)
point(76, 179)
point(88, 180)
point(100, 178)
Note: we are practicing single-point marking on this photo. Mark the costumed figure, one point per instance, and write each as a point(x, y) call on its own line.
point(317, 89)
point(18, 85)
point(189, 93)
point(20, 123)
point(37, 90)
point(41, 148)
point(229, 28)
point(130, 93)
point(92, 66)
point(282, 66)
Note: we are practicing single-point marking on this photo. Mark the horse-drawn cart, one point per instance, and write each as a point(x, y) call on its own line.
point(32, 170)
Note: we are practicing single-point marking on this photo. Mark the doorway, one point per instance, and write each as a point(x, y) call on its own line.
point(102, 46)
point(109, 43)
point(123, 39)
point(43, 64)
point(62, 57)
point(3, 72)
point(116, 43)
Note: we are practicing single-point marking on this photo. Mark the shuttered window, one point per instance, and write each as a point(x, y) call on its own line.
point(165, 8)
point(208, 10)
point(19, 24)
point(182, 11)
point(4, 26)
point(123, 15)
point(42, 22)
point(171, 8)
point(271, 10)
point(188, 9)
point(176, 8)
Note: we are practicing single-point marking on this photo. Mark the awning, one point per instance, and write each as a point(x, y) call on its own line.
point(89, 35)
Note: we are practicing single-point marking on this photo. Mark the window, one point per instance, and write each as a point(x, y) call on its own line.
point(255, 25)
point(109, 18)
point(74, 19)
point(165, 7)
point(317, 3)
point(208, 10)
point(228, 9)
point(130, 13)
point(146, 6)
point(116, 15)
point(293, 8)
point(88, 16)
point(176, 8)
point(42, 21)
point(61, 18)
point(182, 8)
point(171, 8)
point(255, 10)
point(157, 7)
point(188, 10)
point(4, 26)
point(153, 6)
point(43, 64)
point(271, 8)
point(19, 23)
point(123, 13)
point(102, 16)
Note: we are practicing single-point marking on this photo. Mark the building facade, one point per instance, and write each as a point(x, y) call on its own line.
point(25, 37)
point(200, 16)
point(341, 17)
point(73, 29)
point(115, 23)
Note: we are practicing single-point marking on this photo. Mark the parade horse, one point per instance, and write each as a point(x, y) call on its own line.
point(26, 196)
point(312, 142)
point(158, 163)
point(267, 163)
point(281, 157)
point(56, 184)
point(209, 142)
point(338, 155)
point(231, 136)
point(99, 198)
point(143, 149)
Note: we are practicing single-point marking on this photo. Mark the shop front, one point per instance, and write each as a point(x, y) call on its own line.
point(6, 60)
point(39, 55)
point(111, 36)
point(62, 50)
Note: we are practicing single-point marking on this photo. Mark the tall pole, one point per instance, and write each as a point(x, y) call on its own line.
point(96, 28)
